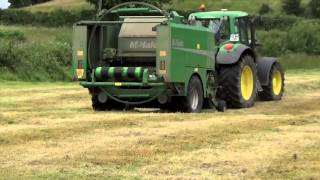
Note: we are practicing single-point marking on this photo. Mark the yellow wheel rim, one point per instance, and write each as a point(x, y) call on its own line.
point(247, 83)
point(277, 83)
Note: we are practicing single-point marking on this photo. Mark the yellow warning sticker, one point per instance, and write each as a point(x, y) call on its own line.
point(118, 84)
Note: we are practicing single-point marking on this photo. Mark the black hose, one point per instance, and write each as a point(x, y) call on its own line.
point(131, 103)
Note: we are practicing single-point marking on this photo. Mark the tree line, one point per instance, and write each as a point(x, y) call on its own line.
point(23, 3)
point(106, 3)
point(295, 7)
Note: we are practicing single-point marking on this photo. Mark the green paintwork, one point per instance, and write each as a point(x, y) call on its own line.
point(185, 56)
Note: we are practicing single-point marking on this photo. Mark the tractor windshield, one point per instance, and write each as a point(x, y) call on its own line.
point(212, 24)
point(215, 25)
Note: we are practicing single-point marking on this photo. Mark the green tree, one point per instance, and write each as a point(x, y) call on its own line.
point(19, 3)
point(107, 4)
point(292, 7)
point(264, 9)
point(23, 3)
point(314, 6)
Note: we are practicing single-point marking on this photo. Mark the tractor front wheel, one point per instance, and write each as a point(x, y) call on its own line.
point(275, 89)
point(238, 83)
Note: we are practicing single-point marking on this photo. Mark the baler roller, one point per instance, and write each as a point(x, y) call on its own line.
point(119, 73)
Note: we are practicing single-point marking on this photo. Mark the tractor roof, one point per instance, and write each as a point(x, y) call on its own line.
point(219, 14)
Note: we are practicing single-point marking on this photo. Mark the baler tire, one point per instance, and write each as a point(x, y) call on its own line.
point(230, 83)
point(96, 105)
point(268, 93)
point(108, 106)
point(193, 102)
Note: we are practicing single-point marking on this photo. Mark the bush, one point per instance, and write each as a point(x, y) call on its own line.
point(264, 9)
point(303, 37)
point(314, 6)
point(23, 3)
point(34, 61)
point(16, 35)
point(292, 7)
point(51, 19)
point(281, 22)
point(273, 43)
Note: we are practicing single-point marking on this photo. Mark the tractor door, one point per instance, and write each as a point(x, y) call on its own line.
point(246, 31)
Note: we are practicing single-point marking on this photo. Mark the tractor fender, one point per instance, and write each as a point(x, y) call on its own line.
point(233, 56)
point(264, 66)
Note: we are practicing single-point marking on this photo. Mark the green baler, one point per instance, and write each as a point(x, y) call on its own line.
point(138, 55)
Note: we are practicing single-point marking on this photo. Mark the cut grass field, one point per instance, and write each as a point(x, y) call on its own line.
point(48, 130)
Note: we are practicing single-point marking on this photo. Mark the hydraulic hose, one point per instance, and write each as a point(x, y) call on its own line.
point(131, 103)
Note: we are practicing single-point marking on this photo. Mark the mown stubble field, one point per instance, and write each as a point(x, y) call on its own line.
point(48, 130)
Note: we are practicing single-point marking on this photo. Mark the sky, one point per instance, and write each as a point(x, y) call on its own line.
point(4, 4)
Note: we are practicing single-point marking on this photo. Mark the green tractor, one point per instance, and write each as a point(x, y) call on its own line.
point(137, 55)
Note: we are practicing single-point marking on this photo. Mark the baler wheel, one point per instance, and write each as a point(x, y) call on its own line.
point(275, 89)
point(109, 105)
point(193, 102)
point(238, 83)
point(98, 106)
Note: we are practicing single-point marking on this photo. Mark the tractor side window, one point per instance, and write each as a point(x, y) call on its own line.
point(243, 30)
point(248, 23)
point(221, 29)
point(225, 30)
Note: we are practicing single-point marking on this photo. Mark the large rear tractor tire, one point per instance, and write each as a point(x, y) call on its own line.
point(238, 83)
point(193, 102)
point(275, 89)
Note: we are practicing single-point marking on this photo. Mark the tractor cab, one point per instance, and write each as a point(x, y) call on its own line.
point(229, 26)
